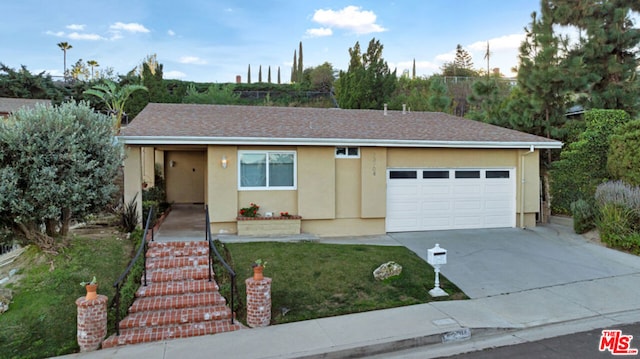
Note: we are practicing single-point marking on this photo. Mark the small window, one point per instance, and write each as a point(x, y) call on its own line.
point(435, 174)
point(403, 174)
point(467, 174)
point(347, 152)
point(497, 174)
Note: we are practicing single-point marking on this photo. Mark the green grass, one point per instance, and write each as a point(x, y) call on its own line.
point(41, 321)
point(316, 280)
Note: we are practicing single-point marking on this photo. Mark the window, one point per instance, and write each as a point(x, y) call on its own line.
point(467, 174)
point(435, 174)
point(497, 174)
point(267, 170)
point(347, 152)
point(402, 175)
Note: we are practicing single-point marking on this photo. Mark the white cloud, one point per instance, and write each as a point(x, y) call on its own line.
point(174, 75)
point(78, 36)
point(171, 33)
point(320, 32)
point(76, 27)
point(507, 42)
point(421, 66)
point(192, 60)
point(446, 57)
point(351, 18)
point(58, 34)
point(130, 27)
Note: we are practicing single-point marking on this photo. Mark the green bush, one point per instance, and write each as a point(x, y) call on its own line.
point(583, 164)
point(619, 220)
point(624, 153)
point(583, 216)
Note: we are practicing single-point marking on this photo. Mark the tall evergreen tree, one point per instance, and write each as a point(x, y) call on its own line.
point(368, 83)
point(413, 73)
point(294, 68)
point(542, 78)
point(439, 101)
point(278, 75)
point(260, 74)
point(269, 74)
point(249, 74)
point(300, 70)
point(608, 51)
point(463, 59)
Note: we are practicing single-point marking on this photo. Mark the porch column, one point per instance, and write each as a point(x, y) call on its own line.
point(133, 178)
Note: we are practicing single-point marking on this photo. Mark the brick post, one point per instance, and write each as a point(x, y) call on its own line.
point(92, 322)
point(258, 302)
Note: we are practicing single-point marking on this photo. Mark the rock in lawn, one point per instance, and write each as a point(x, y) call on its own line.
point(5, 299)
point(387, 270)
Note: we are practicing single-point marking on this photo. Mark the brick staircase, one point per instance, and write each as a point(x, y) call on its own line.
point(178, 301)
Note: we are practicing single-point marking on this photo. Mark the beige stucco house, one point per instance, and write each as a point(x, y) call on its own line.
point(345, 172)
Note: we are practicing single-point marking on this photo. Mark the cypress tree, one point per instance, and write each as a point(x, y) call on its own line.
point(294, 69)
point(413, 74)
point(278, 75)
point(300, 70)
point(269, 75)
point(260, 74)
point(249, 75)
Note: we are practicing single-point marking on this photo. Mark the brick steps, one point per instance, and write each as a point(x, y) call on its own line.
point(178, 301)
point(145, 335)
point(175, 316)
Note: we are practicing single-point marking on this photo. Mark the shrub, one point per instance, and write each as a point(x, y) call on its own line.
point(130, 216)
point(619, 220)
point(583, 164)
point(583, 216)
point(624, 153)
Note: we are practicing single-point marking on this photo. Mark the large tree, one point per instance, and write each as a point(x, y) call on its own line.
point(23, 84)
point(368, 83)
point(64, 46)
point(607, 50)
point(56, 163)
point(92, 64)
point(543, 79)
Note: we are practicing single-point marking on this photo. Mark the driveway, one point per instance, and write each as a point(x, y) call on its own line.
point(489, 262)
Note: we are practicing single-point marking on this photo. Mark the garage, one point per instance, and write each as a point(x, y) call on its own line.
point(439, 199)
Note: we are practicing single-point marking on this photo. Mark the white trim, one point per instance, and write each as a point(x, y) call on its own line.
point(340, 142)
point(267, 187)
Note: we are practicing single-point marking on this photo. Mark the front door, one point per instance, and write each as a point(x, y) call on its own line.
point(185, 173)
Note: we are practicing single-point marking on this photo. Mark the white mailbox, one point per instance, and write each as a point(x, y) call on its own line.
point(436, 255)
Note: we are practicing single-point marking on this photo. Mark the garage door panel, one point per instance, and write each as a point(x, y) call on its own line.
point(459, 201)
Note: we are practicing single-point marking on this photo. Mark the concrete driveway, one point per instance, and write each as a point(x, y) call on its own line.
point(489, 262)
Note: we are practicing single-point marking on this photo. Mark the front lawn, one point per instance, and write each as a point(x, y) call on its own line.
point(315, 280)
point(41, 321)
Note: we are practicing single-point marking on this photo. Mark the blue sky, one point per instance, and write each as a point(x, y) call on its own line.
point(213, 41)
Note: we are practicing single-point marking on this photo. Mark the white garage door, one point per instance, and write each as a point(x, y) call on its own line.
point(435, 199)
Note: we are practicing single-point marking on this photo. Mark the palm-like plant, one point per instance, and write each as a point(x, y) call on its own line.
point(114, 98)
point(92, 64)
point(64, 46)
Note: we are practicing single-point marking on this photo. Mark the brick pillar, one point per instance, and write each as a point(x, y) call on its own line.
point(258, 302)
point(92, 322)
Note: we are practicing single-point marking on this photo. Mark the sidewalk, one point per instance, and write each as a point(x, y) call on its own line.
point(504, 319)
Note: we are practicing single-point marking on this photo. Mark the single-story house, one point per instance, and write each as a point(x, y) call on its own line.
point(345, 172)
point(11, 105)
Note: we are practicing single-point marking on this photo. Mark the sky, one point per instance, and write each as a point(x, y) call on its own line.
point(214, 41)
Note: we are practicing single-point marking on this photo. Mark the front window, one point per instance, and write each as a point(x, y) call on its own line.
point(267, 170)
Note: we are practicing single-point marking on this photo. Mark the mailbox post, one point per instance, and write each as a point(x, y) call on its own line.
point(436, 257)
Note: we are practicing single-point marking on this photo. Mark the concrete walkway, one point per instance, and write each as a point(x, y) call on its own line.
point(576, 286)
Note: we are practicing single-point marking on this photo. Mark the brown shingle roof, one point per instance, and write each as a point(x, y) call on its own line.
point(189, 123)
point(10, 105)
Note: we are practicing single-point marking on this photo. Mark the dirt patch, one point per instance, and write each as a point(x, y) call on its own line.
point(594, 237)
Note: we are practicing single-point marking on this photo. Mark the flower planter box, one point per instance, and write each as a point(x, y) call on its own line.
point(268, 226)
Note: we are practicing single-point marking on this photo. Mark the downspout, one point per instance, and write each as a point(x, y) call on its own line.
point(522, 180)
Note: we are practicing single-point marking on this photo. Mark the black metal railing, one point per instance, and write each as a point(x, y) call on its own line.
point(141, 250)
point(212, 251)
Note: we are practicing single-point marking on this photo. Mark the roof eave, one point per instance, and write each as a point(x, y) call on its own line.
point(196, 140)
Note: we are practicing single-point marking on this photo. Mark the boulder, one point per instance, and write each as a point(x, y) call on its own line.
point(387, 270)
point(5, 299)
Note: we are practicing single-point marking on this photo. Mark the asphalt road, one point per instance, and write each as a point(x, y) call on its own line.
point(583, 345)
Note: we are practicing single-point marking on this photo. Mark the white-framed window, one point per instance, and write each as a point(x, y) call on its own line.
point(347, 152)
point(267, 170)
